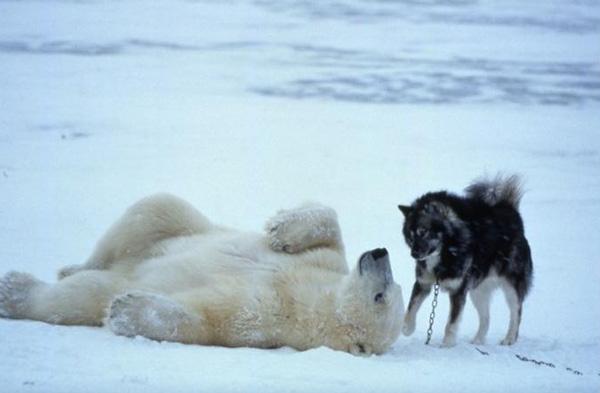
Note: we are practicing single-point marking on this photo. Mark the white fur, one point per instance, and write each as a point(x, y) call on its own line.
point(481, 298)
point(410, 317)
point(451, 284)
point(165, 272)
point(515, 314)
point(432, 260)
point(450, 333)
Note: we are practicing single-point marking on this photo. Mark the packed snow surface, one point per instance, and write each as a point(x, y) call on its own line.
point(246, 107)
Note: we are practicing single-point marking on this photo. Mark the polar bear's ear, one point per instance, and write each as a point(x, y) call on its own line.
point(405, 209)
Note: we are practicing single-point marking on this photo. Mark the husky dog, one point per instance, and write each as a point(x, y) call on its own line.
point(473, 243)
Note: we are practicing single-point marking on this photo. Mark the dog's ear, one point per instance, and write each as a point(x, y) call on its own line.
point(441, 210)
point(434, 208)
point(405, 209)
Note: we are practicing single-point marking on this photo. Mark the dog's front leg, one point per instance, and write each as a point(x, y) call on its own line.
point(419, 292)
point(457, 304)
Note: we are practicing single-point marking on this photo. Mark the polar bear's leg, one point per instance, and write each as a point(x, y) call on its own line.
point(81, 299)
point(156, 317)
point(308, 226)
point(134, 236)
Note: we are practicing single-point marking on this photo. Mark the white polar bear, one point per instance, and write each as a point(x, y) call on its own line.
point(163, 271)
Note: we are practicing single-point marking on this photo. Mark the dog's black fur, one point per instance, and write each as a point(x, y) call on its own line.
point(460, 241)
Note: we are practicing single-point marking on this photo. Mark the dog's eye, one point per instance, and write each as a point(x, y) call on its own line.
point(379, 298)
point(422, 232)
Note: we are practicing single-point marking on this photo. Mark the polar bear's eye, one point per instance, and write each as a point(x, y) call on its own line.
point(379, 298)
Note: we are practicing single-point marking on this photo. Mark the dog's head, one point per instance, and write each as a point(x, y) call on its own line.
point(425, 227)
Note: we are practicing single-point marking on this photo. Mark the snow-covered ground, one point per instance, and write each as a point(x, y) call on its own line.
point(244, 107)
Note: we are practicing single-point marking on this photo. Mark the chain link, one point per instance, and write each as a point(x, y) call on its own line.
point(537, 362)
point(436, 291)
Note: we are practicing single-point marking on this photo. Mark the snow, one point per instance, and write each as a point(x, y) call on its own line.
point(247, 107)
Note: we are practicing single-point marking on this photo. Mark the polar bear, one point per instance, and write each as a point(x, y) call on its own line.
point(165, 272)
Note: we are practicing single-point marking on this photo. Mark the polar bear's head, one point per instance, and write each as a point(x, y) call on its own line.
point(370, 308)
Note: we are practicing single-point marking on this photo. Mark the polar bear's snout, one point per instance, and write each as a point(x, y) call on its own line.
point(379, 253)
point(376, 263)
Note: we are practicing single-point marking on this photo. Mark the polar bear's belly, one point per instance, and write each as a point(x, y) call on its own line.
point(197, 261)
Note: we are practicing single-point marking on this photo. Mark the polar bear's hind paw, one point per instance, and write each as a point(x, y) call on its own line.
point(15, 288)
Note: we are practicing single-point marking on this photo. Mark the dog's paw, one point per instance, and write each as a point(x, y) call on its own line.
point(15, 288)
point(508, 341)
point(478, 341)
point(448, 342)
point(408, 327)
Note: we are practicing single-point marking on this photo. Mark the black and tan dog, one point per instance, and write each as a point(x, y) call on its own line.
point(470, 244)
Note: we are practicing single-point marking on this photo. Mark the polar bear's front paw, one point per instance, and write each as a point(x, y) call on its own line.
point(146, 314)
point(129, 312)
point(15, 288)
point(279, 234)
point(278, 237)
point(296, 230)
point(124, 315)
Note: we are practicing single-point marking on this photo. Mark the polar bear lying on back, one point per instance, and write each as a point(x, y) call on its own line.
point(163, 271)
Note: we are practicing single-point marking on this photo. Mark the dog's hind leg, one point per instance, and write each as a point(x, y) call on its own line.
point(135, 235)
point(481, 297)
point(515, 305)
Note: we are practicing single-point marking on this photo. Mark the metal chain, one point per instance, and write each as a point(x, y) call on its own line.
point(436, 291)
point(536, 362)
point(547, 364)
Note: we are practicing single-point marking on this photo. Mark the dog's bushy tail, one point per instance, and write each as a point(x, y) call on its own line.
point(501, 188)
